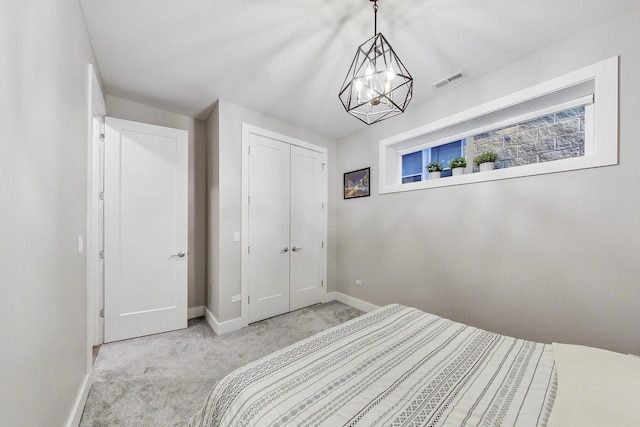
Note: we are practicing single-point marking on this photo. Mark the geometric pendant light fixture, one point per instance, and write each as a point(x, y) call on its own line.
point(377, 86)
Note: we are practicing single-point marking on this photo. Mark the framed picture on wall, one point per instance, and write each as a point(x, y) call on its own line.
point(356, 183)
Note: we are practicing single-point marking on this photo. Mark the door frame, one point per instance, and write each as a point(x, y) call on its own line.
point(96, 108)
point(247, 131)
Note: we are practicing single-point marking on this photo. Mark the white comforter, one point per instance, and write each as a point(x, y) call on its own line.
point(396, 366)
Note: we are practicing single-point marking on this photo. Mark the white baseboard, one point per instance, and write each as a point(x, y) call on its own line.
point(223, 327)
point(330, 296)
point(194, 312)
point(233, 325)
point(81, 399)
point(351, 301)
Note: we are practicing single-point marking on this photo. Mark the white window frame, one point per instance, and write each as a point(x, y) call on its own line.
point(601, 130)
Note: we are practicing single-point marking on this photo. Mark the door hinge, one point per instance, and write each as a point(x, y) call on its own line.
point(322, 283)
point(101, 195)
point(323, 205)
point(102, 137)
point(323, 166)
point(323, 244)
point(102, 312)
point(249, 249)
point(249, 199)
point(101, 254)
point(249, 299)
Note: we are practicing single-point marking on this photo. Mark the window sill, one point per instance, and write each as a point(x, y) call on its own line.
point(555, 166)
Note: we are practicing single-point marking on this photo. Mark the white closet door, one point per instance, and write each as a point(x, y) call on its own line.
point(307, 253)
point(145, 226)
point(269, 180)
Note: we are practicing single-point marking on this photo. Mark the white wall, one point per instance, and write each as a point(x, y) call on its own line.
point(44, 52)
point(548, 258)
point(129, 110)
point(225, 139)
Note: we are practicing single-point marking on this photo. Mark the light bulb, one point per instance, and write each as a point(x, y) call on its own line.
point(390, 74)
point(387, 86)
point(369, 72)
point(357, 87)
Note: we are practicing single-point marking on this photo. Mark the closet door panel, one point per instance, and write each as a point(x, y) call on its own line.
point(307, 210)
point(269, 188)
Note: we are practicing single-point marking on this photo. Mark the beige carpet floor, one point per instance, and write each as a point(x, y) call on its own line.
point(161, 380)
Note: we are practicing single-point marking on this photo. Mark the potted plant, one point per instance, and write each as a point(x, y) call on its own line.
point(434, 169)
point(486, 161)
point(457, 166)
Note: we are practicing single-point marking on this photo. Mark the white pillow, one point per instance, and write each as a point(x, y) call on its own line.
point(595, 388)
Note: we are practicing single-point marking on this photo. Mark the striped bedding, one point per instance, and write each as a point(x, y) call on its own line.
point(396, 366)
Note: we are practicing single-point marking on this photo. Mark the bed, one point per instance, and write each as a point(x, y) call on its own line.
point(399, 366)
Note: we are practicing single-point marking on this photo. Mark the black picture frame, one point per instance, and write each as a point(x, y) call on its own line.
point(356, 183)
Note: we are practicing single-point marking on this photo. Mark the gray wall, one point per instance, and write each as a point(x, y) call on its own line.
point(548, 258)
point(44, 52)
point(225, 189)
point(129, 110)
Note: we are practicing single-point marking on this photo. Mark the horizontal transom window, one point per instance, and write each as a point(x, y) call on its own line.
point(564, 124)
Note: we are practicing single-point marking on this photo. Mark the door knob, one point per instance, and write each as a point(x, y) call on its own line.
point(284, 250)
point(294, 249)
point(178, 255)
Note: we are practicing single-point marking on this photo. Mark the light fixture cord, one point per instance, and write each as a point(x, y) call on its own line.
point(375, 17)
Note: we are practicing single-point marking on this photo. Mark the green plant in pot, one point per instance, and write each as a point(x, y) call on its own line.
point(486, 161)
point(457, 166)
point(434, 169)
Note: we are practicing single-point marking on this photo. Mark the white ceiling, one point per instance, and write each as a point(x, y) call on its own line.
point(288, 58)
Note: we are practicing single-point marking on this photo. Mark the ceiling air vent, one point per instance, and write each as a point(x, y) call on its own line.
point(448, 80)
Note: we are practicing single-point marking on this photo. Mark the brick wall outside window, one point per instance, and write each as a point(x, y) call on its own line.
point(551, 137)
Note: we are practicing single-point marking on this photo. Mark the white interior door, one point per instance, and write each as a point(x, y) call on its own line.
point(307, 246)
point(268, 257)
point(145, 226)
